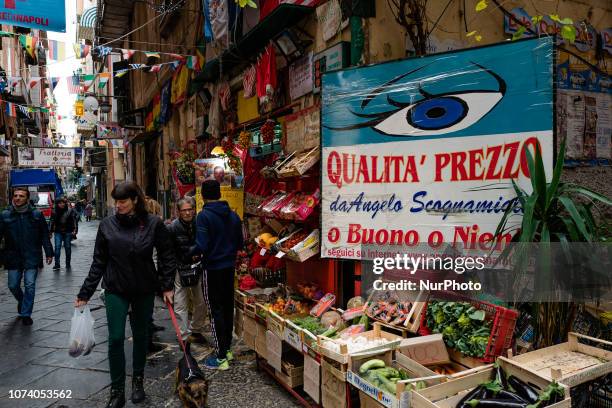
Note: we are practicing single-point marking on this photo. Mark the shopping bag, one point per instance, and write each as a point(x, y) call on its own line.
point(82, 339)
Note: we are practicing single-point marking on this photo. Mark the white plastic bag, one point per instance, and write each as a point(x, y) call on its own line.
point(82, 339)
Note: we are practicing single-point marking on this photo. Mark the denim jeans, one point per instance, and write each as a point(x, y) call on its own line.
point(29, 283)
point(66, 238)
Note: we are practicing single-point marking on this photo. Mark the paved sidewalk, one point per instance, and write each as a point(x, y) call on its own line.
point(36, 357)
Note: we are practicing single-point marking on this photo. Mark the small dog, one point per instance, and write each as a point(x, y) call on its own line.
point(191, 386)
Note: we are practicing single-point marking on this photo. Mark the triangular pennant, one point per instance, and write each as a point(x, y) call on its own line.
point(121, 73)
point(152, 54)
point(29, 43)
point(103, 51)
point(81, 50)
point(127, 54)
point(177, 56)
point(33, 82)
point(155, 68)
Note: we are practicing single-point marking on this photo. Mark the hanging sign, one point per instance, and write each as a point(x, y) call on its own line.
point(335, 57)
point(424, 150)
point(45, 157)
point(46, 15)
point(300, 77)
point(511, 26)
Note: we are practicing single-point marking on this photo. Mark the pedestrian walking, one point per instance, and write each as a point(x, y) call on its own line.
point(218, 238)
point(188, 300)
point(153, 207)
point(88, 212)
point(78, 207)
point(123, 259)
point(24, 231)
point(65, 227)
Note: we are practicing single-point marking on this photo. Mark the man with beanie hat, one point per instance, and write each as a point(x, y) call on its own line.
point(218, 238)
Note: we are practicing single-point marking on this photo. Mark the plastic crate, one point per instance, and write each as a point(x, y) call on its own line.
point(502, 319)
point(594, 394)
point(266, 277)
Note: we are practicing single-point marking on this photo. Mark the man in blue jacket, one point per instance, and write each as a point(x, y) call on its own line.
point(24, 231)
point(218, 238)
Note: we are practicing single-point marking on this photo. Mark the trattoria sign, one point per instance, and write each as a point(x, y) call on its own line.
point(45, 157)
point(424, 150)
point(47, 15)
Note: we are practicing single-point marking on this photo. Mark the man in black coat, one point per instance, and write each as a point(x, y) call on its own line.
point(183, 231)
point(64, 225)
point(25, 233)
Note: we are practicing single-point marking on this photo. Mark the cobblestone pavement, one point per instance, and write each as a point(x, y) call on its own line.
point(36, 357)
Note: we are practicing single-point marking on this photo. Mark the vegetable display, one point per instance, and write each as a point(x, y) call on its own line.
point(391, 311)
point(354, 344)
point(463, 327)
point(376, 372)
point(510, 392)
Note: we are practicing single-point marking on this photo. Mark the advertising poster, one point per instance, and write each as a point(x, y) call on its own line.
point(45, 157)
point(424, 150)
point(47, 15)
point(231, 183)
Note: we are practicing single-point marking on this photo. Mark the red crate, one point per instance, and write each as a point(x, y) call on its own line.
point(502, 329)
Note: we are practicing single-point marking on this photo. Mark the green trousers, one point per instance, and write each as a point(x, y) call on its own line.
point(116, 314)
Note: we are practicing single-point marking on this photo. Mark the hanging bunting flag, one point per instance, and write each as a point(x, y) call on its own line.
point(9, 109)
point(29, 43)
point(201, 59)
point(155, 68)
point(152, 54)
point(103, 51)
point(175, 64)
point(33, 82)
point(193, 63)
point(127, 54)
point(56, 50)
point(177, 56)
point(137, 66)
point(121, 73)
point(73, 83)
point(54, 81)
point(26, 111)
point(81, 50)
point(5, 34)
point(103, 79)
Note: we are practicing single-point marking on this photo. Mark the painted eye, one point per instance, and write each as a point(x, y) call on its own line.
point(437, 115)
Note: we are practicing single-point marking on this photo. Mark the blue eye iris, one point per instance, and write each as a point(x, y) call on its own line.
point(437, 113)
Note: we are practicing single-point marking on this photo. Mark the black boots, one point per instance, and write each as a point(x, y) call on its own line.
point(138, 394)
point(117, 399)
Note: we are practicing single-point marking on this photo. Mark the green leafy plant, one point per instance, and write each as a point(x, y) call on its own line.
point(244, 3)
point(553, 212)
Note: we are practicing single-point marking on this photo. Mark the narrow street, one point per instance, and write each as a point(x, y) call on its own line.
point(36, 357)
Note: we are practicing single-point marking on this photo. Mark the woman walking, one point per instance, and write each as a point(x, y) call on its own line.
point(123, 257)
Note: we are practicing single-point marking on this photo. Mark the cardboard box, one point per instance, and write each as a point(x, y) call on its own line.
point(249, 332)
point(333, 386)
point(261, 346)
point(312, 378)
point(366, 401)
point(294, 379)
point(426, 350)
point(274, 345)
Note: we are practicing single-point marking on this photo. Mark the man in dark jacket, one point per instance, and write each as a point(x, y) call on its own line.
point(64, 225)
point(218, 238)
point(25, 232)
point(183, 231)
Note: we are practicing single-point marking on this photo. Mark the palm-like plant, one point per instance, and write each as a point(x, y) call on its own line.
point(555, 212)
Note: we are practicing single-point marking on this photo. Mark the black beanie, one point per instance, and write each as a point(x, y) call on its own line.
point(211, 190)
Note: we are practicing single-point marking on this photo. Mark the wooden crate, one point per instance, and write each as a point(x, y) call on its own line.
point(261, 345)
point(343, 356)
point(240, 298)
point(292, 335)
point(416, 372)
point(238, 322)
point(260, 311)
point(333, 385)
point(275, 323)
point(294, 379)
point(447, 394)
point(571, 363)
point(249, 309)
point(413, 321)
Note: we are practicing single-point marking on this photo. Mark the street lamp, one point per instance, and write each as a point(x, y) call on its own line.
point(105, 107)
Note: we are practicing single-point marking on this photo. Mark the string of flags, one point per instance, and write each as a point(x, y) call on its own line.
point(11, 108)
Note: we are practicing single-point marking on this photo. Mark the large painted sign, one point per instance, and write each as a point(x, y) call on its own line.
point(47, 15)
point(423, 150)
point(45, 157)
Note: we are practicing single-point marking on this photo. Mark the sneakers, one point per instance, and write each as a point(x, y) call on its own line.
point(229, 356)
point(56, 267)
point(213, 363)
point(27, 321)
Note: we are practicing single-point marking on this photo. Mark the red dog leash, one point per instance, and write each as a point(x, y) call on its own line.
point(180, 338)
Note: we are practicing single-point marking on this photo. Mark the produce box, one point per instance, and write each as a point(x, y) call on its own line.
point(292, 369)
point(333, 385)
point(312, 378)
point(249, 332)
point(366, 401)
point(448, 394)
point(426, 350)
point(240, 298)
point(299, 246)
point(419, 376)
point(261, 344)
point(400, 310)
point(275, 323)
point(292, 335)
point(501, 320)
point(343, 355)
point(250, 309)
point(571, 363)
